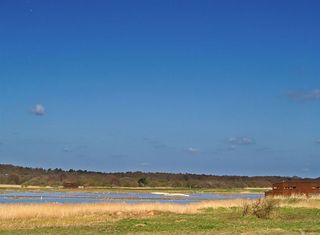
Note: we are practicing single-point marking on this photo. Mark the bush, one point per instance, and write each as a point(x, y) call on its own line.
point(261, 208)
point(142, 182)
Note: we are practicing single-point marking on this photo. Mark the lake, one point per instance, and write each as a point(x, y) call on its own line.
point(129, 197)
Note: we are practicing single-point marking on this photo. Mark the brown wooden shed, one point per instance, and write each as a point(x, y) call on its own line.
point(70, 185)
point(294, 188)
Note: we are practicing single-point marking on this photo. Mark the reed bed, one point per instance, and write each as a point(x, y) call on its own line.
point(299, 196)
point(30, 216)
point(9, 186)
point(55, 210)
point(52, 210)
point(299, 201)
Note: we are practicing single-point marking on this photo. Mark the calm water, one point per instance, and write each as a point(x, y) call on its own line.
point(85, 197)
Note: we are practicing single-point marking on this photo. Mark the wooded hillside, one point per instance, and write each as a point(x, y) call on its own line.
point(10, 174)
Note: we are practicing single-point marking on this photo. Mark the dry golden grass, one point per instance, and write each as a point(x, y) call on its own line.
point(9, 186)
point(255, 188)
point(299, 201)
point(299, 196)
point(306, 204)
point(15, 216)
point(14, 211)
point(54, 210)
point(15, 186)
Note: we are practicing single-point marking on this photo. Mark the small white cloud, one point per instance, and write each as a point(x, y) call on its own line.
point(306, 169)
point(192, 150)
point(155, 143)
point(311, 95)
point(144, 164)
point(264, 150)
point(240, 141)
point(39, 110)
point(231, 148)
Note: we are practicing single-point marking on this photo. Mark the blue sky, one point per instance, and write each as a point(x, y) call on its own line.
point(219, 87)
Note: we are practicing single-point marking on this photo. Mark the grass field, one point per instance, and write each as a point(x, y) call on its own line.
point(294, 216)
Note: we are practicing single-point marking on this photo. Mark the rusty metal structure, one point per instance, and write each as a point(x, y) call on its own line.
point(294, 188)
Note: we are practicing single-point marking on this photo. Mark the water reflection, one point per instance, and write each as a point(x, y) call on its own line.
point(90, 197)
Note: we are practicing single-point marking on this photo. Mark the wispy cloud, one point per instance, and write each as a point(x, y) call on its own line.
point(38, 110)
point(306, 169)
point(231, 148)
point(66, 149)
point(240, 141)
point(144, 164)
point(119, 156)
point(192, 150)
point(304, 95)
point(264, 150)
point(155, 143)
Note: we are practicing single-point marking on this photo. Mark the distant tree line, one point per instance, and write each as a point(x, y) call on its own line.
point(10, 174)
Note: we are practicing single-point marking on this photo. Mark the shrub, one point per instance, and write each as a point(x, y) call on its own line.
point(246, 209)
point(261, 208)
point(142, 182)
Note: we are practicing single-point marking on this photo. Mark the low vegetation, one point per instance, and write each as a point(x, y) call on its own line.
point(261, 208)
point(214, 217)
point(54, 210)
